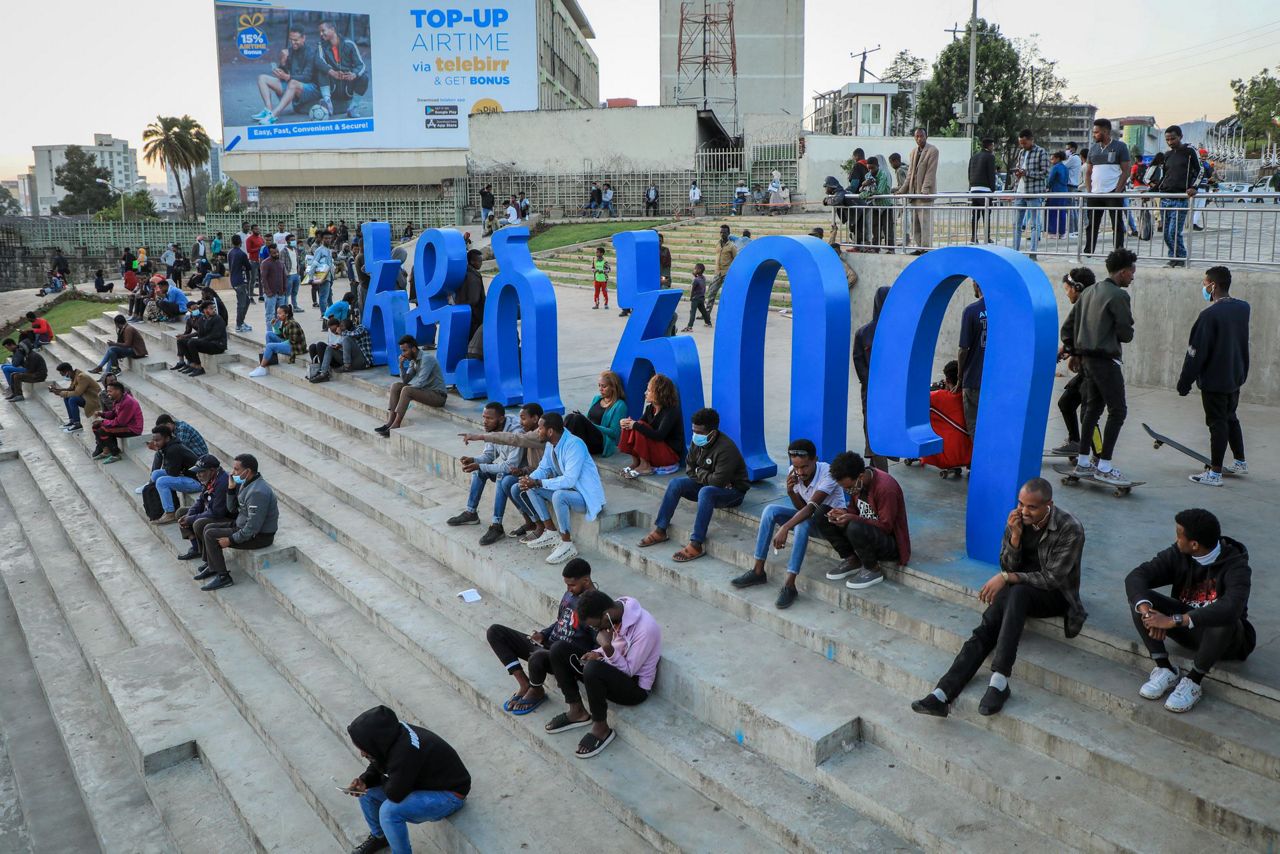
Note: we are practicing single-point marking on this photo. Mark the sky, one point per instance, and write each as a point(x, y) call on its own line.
point(1172, 59)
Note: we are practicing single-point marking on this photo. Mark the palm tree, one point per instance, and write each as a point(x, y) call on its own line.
point(164, 142)
point(197, 145)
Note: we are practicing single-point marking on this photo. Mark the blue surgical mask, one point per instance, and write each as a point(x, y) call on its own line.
point(238, 478)
point(1204, 292)
point(700, 439)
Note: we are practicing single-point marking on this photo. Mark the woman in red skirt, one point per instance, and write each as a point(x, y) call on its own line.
point(655, 441)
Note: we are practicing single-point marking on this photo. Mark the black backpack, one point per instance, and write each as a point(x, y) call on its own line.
point(151, 502)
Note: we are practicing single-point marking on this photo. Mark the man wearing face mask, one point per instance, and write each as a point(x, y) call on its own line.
point(210, 506)
point(1039, 577)
point(292, 271)
point(1217, 361)
point(252, 503)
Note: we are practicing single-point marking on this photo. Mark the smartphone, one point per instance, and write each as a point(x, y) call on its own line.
point(353, 792)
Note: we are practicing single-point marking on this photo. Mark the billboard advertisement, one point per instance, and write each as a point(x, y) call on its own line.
point(378, 74)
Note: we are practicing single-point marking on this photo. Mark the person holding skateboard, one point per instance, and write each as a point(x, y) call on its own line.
point(1217, 361)
point(1098, 324)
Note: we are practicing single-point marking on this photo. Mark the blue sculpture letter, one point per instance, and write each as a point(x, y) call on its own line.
point(520, 366)
point(644, 348)
point(385, 305)
point(439, 267)
point(819, 349)
point(1017, 375)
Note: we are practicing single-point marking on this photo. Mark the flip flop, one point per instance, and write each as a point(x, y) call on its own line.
point(524, 707)
point(628, 473)
point(590, 745)
point(561, 723)
point(684, 555)
point(506, 707)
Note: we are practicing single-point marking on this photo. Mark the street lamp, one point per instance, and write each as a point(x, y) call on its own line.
point(116, 189)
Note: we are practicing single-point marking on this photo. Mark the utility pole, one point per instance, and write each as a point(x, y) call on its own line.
point(973, 68)
point(862, 68)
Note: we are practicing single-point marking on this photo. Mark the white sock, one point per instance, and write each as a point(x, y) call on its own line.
point(999, 681)
point(1104, 466)
point(937, 692)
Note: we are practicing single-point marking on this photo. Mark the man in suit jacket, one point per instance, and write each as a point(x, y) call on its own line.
point(922, 178)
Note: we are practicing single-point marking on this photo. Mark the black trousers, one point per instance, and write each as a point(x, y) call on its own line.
point(586, 430)
point(1111, 207)
point(1000, 630)
point(1069, 405)
point(698, 304)
point(1211, 645)
point(980, 210)
point(243, 295)
point(603, 682)
point(858, 539)
point(512, 647)
point(1224, 427)
point(1103, 387)
point(213, 555)
point(190, 349)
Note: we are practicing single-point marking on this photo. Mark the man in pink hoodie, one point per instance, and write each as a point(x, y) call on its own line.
point(621, 669)
point(122, 417)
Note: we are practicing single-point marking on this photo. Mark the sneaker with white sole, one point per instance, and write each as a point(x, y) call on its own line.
point(1184, 697)
point(140, 489)
point(1111, 478)
point(1066, 449)
point(1208, 477)
point(844, 569)
point(1159, 682)
point(563, 552)
point(864, 579)
point(1083, 468)
point(1240, 467)
point(258, 372)
point(547, 540)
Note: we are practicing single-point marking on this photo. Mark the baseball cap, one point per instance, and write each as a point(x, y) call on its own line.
point(206, 463)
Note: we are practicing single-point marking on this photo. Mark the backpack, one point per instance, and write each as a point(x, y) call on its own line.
point(151, 502)
point(1145, 227)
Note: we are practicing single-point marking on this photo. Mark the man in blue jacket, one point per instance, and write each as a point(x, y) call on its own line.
point(209, 507)
point(569, 479)
point(1217, 360)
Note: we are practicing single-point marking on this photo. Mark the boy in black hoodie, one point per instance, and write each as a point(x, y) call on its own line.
point(1209, 577)
point(413, 776)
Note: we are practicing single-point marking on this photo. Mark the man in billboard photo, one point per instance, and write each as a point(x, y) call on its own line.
point(343, 73)
point(294, 80)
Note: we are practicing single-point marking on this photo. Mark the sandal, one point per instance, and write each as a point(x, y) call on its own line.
point(515, 698)
point(652, 539)
point(688, 553)
point(562, 723)
point(590, 745)
point(628, 473)
point(524, 707)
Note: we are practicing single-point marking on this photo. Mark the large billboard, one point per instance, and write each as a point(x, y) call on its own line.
point(378, 74)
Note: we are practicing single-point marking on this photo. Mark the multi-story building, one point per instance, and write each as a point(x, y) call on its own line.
point(568, 68)
point(213, 169)
point(1067, 123)
point(856, 109)
point(114, 155)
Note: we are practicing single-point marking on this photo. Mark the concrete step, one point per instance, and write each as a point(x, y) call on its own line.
point(14, 835)
point(196, 810)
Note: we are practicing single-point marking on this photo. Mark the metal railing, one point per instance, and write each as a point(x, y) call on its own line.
point(1213, 228)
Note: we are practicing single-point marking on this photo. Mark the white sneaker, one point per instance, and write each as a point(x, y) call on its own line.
point(1240, 467)
point(1112, 478)
point(1159, 682)
point(562, 553)
point(548, 539)
point(1184, 697)
point(140, 489)
point(258, 372)
point(1083, 468)
point(1208, 477)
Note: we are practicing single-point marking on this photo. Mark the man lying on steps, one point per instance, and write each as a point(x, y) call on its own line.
point(253, 505)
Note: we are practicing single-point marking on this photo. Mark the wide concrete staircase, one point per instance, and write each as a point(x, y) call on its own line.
point(216, 722)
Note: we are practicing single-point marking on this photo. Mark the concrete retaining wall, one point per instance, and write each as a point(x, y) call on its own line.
point(1165, 305)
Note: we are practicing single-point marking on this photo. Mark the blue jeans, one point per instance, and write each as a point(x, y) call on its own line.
point(291, 285)
point(708, 498)
point(1025, 208)
point(270, 304)
point(324, 293)
point(563, 502)
point(478, 480)
point(773, 516)
point(167, 486)
point(113, 356)
point(277, 346)
point(9, 371)
point(74, 405)
point(510, 486)
point(387, 818)
point(1175, 219)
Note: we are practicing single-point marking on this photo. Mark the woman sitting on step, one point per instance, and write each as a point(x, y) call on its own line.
point(655, 440)
point(601, 426)
point(284, 338)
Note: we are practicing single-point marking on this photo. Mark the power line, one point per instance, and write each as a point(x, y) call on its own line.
point(1096, 81)
point(1257, 32)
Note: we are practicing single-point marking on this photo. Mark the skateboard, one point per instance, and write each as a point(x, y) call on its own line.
point(1097, 448)
point(1159, 440)
point(1070, 477)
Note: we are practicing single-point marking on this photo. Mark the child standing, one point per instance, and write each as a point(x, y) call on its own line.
point(698, 297)
point(601, 268)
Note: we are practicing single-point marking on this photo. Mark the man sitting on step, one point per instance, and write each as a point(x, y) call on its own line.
point(811, 491)
point(26, 365)
point(621, 669)
point(129, 345)
point(169, 470)
point(568, 478)
point(1039, 577)
point(1209, 577)
point(421, 380)
point(121, 419)
point(252, 503)
point(209, 507)
point(210, 338)
point(413, 776)
point(876, 532)
point(565, 636)
point(185, 433)
point(715, 476)
point(531, 448)
point(494, 463)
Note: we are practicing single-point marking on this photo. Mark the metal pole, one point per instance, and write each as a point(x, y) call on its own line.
point(973, 68)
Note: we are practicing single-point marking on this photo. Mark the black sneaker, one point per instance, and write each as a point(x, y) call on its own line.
point(384, 431)
point(865, 577)
point(186, 369)
point(786, 596)
point(993, 701)
point(203, 572)
point(197, 371)
point(373, 843)
point(750, 578)
point(931, 705)
point(492, 535)
point(190, 554)
point(522, 530)
point(219, 581)
point(466, 517)
point(177, 366)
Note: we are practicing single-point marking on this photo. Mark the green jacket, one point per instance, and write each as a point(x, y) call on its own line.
point(610, 424)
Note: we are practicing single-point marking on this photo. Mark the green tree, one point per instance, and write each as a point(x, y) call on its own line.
point(905, 69)
point(1257, 103)
point(137, 205)
point(167, 144)
point(225, 197)
point(79, 176)
point(198, 192)
point(197, 144)
point(8, 204)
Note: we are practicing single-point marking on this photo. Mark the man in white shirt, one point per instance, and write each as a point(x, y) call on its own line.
point(1106, 171)
point(513, 212)
point(811, 490)
point(281, 237)
point(695, 196)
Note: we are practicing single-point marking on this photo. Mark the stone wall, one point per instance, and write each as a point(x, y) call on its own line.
point(28, 268)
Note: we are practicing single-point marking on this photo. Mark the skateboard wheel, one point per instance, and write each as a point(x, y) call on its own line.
point(1156, 444)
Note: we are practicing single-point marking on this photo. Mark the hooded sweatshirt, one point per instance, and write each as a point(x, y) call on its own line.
point(1216, 595)
point(404, 759)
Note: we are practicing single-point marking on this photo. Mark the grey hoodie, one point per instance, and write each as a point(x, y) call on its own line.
point(501, 459)
point(254, 506)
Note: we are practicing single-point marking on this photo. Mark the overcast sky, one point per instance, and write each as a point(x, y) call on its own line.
point(1172, 59)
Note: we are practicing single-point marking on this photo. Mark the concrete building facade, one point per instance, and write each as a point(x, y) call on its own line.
point(855, 109)
point(1067, 123)
point(114, 155)
point(568, 68)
